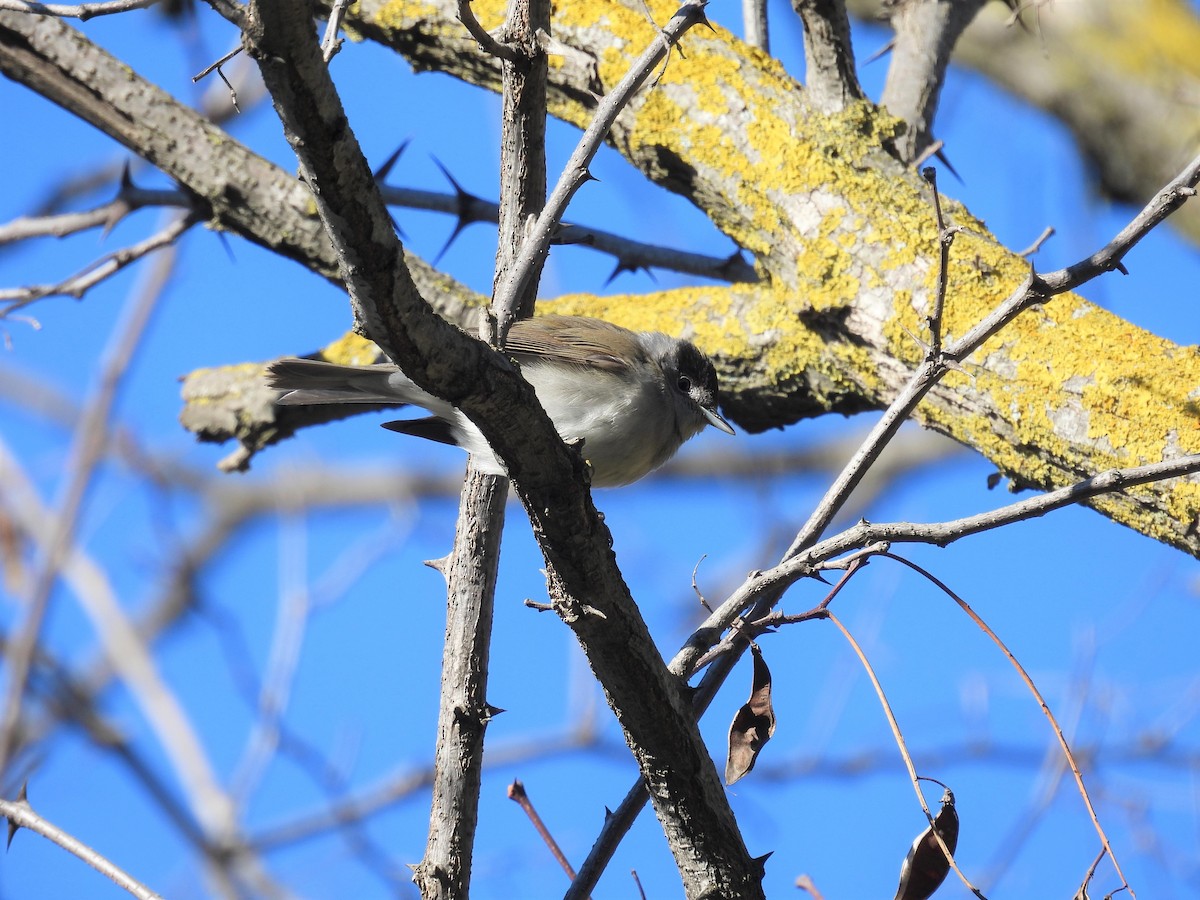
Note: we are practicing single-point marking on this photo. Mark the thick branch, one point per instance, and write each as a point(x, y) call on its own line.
point(830, 77)
point(1121, 76)
point(240, 191)
point(585, 584)
point(832, 221)
point(926, 32)
point(832, 231)
point(470, 570)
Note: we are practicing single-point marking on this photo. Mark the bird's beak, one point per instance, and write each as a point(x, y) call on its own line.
point(715, 420)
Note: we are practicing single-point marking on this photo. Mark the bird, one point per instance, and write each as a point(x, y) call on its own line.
point(632, 397)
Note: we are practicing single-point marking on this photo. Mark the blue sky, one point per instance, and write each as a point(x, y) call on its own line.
point(1103, 618)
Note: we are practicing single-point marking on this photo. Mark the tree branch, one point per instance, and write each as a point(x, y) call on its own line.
point(22, 815)
point(926, 32)
point(829, 77)
point(585, 585)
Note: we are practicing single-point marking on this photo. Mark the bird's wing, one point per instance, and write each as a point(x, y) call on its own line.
point(569, 339)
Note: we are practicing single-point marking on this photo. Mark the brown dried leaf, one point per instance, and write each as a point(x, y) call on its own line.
point(926, 866)
point(753, 724)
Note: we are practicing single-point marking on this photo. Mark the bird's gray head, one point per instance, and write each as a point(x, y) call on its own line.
point(690, 377)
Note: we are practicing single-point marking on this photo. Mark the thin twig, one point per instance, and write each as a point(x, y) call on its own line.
point(216, 65)
point(903, 748)
point(21, 815)
point(283, 658)
point(486, 42)
point(128, 200)
point(331, 43)
point(575, 172)
point(630, 254)
point(1033, 248)
point(404, 784)
point(945, 239)
point(516, 793)
point(91, 438)
point(1087, 879)
point(1068, 755)
point(124, 650)
point(13, 299)
point(82, 11)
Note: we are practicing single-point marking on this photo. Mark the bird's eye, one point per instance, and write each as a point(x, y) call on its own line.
point(685, 383)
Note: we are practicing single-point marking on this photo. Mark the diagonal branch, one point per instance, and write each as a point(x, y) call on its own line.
point(15, 299)
point(585, 584)
point(21, 815)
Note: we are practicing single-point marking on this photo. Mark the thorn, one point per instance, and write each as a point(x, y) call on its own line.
point(461, 193)
point(122, 206)
point(224, 239)
point(631, 267)
point(881, 52)
point(761, 862)
point(438, 564)
point(396, 228)
point(587, 176)
point(385, 170)
point(1120, 267)
point(13, 827)
point(608, 813)
point(955, 366)
point(490, 712)
point(733, 263)
point(942, 159)
point(463, 201)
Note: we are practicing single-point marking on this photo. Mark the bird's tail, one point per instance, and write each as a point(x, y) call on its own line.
point(311, 381)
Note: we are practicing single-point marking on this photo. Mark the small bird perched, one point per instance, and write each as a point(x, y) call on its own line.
point(632, 397)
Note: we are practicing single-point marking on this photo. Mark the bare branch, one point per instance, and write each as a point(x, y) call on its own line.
point(21, 815)
point(129, 200)
point(331, 43)
point(75, 10)
point(125, 650)
point(14, 299)
point(211, 67)
point(756, 29)
point(1059, 735)
point(630, 254)
point(575, 173)
point(926, 32)
point(463, 714)
point(486, 42)
point(829, 77)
